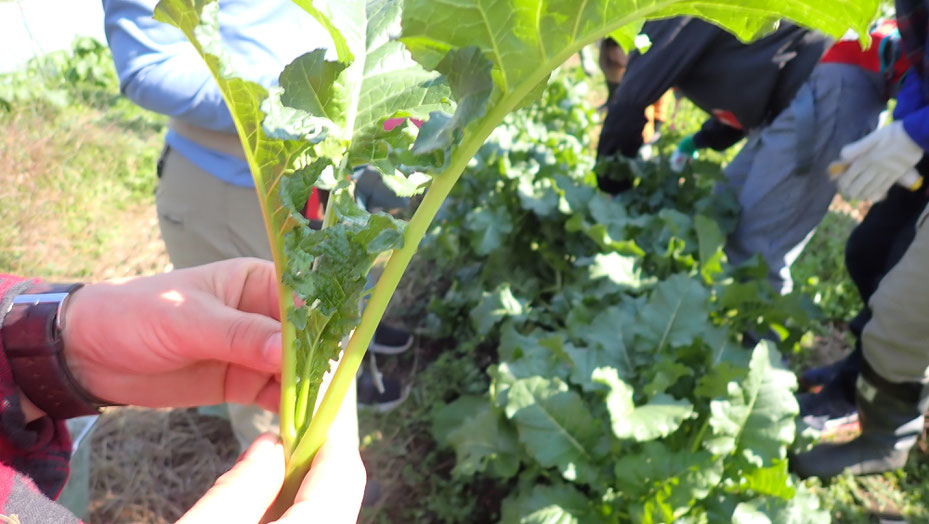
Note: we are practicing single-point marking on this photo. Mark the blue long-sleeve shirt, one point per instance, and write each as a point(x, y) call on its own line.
point(913, 109)
point(161, 71)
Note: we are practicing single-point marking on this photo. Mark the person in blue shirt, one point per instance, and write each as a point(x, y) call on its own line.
point(207, 206)
point(892, 388)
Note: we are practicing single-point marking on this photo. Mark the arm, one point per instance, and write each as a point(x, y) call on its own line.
point(196, 336)
point(676, 44)
point(159, 69)
point(913, 110)
point(717, 135)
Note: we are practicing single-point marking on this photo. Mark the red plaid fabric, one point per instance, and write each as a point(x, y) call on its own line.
point(33, 457)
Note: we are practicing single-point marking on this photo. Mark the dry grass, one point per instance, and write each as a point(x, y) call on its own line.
point(77, 198)
point(152, 465)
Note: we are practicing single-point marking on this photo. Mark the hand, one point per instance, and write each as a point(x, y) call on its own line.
point(876, 162)
point(193, 337)
point(684, 154)
point(330, 493)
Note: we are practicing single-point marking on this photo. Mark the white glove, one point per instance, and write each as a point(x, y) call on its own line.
point(876, 162)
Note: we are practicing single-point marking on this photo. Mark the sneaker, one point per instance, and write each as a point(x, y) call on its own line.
point(814, 379)
point(390, 340)
point(379, 392)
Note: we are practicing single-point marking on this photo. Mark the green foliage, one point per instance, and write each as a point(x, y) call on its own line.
point(61, 78)
point(619, 372)
point(469, 65)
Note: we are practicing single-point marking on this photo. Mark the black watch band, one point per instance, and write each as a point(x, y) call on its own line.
point(34, 347)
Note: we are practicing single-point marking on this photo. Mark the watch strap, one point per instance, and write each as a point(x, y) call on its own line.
point(34, 350)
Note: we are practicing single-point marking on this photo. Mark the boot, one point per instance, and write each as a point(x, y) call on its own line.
point(891, 417)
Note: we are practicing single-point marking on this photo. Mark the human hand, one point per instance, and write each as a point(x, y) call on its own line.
point(868, 167)
point(331, 492)
point(192, 337)
point(684, 154)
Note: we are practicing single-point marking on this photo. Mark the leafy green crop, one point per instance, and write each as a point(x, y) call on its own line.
point(620, 393)
point(470, 63)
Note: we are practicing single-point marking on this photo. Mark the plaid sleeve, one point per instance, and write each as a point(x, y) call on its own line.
point(41, 449)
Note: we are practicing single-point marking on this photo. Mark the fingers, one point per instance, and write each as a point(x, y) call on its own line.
point(247, 386)
point(246, 284)
point(245, 492)
point(260, 290)
point(332, 490)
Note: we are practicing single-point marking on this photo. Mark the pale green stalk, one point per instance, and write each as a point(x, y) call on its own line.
point(441, 186)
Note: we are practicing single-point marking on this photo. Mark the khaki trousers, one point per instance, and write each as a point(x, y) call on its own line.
point(202, 220)
point(896, 340)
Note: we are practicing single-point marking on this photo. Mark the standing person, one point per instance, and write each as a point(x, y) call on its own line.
point(206, 201)
point(892, 390)
point(795, 110)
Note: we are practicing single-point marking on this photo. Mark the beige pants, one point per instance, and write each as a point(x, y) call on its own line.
point(896, 340)
point(202, 220)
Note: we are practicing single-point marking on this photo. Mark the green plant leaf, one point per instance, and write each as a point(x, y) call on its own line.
point(755, 421)
point(658, 418)
point(558, 503)
point(667, 482)
point(621, 270)
point(711, 243)
point(803, 508)
point(495, 307)
point(481, 438)
point(677, 313)
point(556, 427)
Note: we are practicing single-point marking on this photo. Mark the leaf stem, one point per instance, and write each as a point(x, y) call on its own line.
point(377, 305)
point(288, 373)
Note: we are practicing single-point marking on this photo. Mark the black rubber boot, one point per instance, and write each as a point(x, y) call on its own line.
point(891, 417)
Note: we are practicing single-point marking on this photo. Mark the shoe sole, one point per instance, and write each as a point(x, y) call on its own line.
point(384, 407)
point(380, 349)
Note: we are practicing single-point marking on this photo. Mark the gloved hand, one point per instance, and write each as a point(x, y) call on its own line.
point(868, 167)
point(685, 152)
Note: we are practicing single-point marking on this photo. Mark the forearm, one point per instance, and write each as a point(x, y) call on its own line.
point(158, 68)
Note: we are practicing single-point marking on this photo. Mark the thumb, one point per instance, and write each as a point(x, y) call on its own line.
point(244, 493)
point(250, 340)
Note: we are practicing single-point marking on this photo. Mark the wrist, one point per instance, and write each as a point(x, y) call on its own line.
point(32, 334)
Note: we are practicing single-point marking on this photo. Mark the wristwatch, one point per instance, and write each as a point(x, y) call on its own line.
point(34, 348)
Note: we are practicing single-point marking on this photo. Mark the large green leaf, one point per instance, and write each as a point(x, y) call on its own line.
point(660, 417)
point(524, 40)
point(755, 421)
point(666, 482)
point(558, 503)
point(326, 116)
point(479, 435)
point(677, 313)
point(556, 427)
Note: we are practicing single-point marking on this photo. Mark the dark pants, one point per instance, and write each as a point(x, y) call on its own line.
point(873, 249)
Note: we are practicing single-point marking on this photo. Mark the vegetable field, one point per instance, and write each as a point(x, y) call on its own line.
point(579, 358)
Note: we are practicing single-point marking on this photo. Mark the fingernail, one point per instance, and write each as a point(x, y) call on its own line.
point(262, 445)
